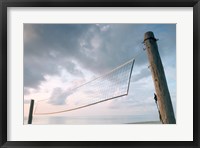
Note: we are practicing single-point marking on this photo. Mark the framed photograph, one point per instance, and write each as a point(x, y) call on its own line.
point(103, 73)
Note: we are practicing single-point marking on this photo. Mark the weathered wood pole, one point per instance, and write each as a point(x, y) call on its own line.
point(30, 117)
point(160, 83)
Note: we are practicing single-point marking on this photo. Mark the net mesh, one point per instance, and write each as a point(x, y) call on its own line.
point(109, 86)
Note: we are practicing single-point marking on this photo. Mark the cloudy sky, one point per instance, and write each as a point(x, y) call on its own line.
point(59, 57)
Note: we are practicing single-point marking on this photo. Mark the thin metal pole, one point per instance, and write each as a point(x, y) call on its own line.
point(160, 83)
point(30, 117)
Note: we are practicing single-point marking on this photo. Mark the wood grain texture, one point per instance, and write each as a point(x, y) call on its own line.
point(160, 83)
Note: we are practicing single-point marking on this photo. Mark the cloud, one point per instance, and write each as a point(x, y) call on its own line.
point(26, 91)
point(29, 34)
point(103, 27)
point(97, 48)
point(45, 54)
point(27, 101)
point(59, 96)
point(143, 73)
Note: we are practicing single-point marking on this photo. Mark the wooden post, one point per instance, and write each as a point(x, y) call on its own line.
point(160, 83)
point(30, 117)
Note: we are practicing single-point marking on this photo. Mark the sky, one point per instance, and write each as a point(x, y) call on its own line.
point(60, 57)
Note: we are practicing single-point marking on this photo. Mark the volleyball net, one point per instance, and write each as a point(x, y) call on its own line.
point(112, 85)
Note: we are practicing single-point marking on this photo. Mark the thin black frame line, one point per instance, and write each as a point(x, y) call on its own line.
point(1, 101)
point(3, 75)
point(79, 3)
point(100, 3)
point(196, 72)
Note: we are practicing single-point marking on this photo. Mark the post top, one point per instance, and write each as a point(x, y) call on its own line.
point(149, 35)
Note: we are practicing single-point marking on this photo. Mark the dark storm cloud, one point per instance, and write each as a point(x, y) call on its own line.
point(98, 48)
point(53, 48)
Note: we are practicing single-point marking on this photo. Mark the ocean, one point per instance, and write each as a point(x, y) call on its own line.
point(92, 120)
